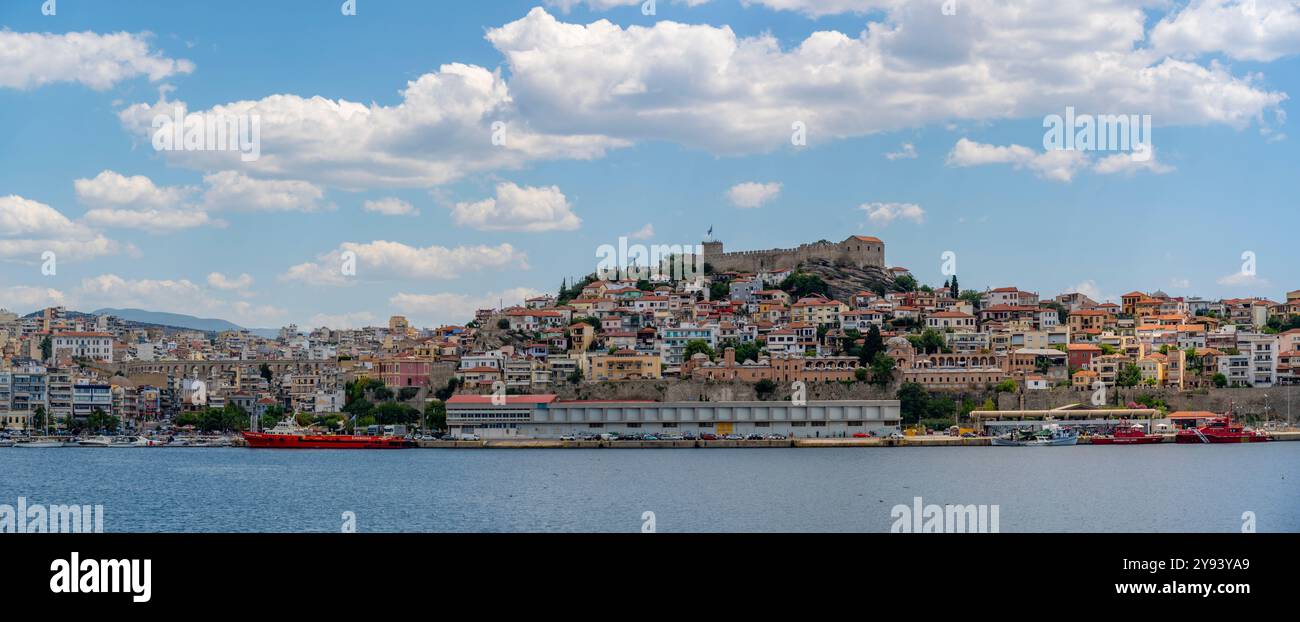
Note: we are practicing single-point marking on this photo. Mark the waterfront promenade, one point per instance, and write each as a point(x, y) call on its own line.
point(907, 441)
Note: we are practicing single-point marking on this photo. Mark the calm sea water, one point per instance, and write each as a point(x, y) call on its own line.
point(1161, 488)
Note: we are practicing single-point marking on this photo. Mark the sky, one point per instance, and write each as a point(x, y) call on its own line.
point(459, 155)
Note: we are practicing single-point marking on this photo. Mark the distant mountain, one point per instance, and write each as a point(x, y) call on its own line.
point(170, 319)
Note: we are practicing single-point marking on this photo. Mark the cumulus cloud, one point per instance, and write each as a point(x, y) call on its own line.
point(458, 120)
point(113, 189)
point(450, 308)
point(706, 87)
point(29, 228)
point(26, 298)
point(1123, 163)
point(173, 296)
point(1056, 164)
point(750, 195)
point(221, 281)
point(391, 206)
point(235, 191)
point(380, 260)
point(884, 213)
point(98, 61)
point(644, 233)
point(1242, 279)
point(1257, 30)
point(519, 208)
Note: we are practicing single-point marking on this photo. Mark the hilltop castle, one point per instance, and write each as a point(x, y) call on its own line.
point(859, 251)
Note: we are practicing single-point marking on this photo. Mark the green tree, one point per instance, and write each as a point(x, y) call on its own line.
point(954, 290)
point(905, 283)
point(1220, 380)
point(38, 417)
point(698, 346)
point(1006, 386)
point(265, 371)
point(764, 388)
point(882, 369)
point(1129, 376)
point(861, 374)
point(503, 324)
point(973, 297)
point(435, 415)
point(47, 348)
point(872, 345)
point(913, 402)
point(803, 284)
point(719, 290)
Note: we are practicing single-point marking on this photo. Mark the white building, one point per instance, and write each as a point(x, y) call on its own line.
point(1261, 351)
point(543, 416)
point(98, 346)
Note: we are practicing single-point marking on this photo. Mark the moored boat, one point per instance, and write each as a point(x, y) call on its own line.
point(98, 441)
point(1221, 430)
point(1052, 435)
point(1128, 434)
point(289, 435)
point(42, 444)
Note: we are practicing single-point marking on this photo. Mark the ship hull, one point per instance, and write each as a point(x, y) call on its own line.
point(1217, 439)
point(260, 440)
point(1130, 440)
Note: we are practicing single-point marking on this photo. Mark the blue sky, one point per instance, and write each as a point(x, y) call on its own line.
point(639, 120)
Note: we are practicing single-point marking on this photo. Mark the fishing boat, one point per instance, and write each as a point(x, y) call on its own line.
point(1128, 434)
point(1052, 435)
point(287, 434)
point(1221, 430)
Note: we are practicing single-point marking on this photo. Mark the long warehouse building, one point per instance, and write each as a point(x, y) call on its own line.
point(545, 416)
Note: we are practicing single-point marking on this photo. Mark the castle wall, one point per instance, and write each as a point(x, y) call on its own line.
point(851, 252)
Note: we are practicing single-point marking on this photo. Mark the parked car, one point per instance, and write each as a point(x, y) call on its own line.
point(708, 437)
point(568, 437)
point(775, 437)
point(861, 435)
point(470, 437)
point(897, 436)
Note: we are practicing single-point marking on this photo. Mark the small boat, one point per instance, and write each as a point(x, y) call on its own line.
point(7, 442)
point(1052, 435)
point(289, 435)
point(1128, 434)
point(1221, 430)
point(34, 444)
point(146, 442)
point(98, 441)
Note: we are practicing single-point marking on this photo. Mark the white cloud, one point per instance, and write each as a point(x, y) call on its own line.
point(1258, 30)
point(29, 59)
point(172, 296)
point(1180, 283)
point(221, 281)
point(703, 86)
point(1057, 164)
point(26, 298)
point(519, 208)
point(442, 130)
point(391, 206)
point(344, 321)
point(152, 220)
point(1242, 279)
point(1125, 164)
point(235, 191)
point(1090, 289)
point(750, 194)
point(906, 152)
point(885, 213)
point(29, 228)
point(112, 189)
point(380, 260)
point(819, 8)
point(449, 308)
point(566, 6)
point(644, 233)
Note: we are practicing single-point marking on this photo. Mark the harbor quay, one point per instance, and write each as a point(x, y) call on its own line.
point(516, 417)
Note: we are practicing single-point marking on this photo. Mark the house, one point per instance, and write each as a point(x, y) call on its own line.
point(955, 321)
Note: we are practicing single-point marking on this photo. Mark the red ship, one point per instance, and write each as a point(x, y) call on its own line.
point(1221, 430)
point(1128, 434)
point(288, 435)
